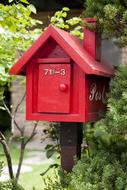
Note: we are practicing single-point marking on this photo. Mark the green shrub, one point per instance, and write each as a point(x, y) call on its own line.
point(59, 182)
point(101, 171)
point(10, 185)
point(106, 166)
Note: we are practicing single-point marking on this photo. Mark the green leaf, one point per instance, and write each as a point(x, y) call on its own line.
point(32, 8)
point(24, 1)
point(10, 1)
point(50, 152)
point(65, 9)
point(49, 146)
point(64, 14)
point(2, 108)
point(50, 167)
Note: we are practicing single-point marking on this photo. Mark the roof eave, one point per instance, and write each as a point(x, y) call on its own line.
point(18, 67)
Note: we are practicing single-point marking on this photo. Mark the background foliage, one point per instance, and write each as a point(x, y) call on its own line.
point(62, 20)
point(16, 34)
point(111, 16)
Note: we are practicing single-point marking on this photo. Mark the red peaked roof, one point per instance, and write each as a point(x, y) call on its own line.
point(71, 45)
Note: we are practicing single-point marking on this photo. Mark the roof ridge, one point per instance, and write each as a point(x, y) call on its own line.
point(71, 44)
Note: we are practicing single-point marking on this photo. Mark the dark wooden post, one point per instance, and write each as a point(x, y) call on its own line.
point(70, 141)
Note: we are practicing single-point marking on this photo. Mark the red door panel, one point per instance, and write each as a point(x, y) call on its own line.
point(54, 88)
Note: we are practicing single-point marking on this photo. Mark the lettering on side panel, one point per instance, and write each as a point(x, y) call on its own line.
point(97, 94)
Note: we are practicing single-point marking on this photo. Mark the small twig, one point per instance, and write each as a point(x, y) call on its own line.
point(22, 150)
point(2, 137)
point(15, 112)
point(11, 116)
point(32, 134)
point(50, 167)
point(17, 126)
point(18, 105)
point(7, 109)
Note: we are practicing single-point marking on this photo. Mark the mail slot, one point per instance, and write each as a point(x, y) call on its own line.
point(65, 81)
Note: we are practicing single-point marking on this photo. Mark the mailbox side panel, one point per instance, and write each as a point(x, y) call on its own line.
point(97, 88)
point(31, 88)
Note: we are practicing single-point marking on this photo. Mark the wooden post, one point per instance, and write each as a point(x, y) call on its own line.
point(70, 141)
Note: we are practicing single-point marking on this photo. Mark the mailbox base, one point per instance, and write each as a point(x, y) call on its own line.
point(70, 141)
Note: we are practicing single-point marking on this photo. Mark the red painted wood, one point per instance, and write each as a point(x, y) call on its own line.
point(53, 60)
point(54, 88)
point(76, 105)
point(55, 117)
point(74, 89)
point(34, 87)
point(76, 100)
point(86, 99)
point(92, 40)
point(29, 90)
point(71, 45)
point(46, 49)
point(55, 94)
point(58, 52)
point(96, 98)
point(81, 93)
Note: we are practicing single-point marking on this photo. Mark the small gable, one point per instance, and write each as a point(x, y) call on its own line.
point(58, 52)
point(51, 49)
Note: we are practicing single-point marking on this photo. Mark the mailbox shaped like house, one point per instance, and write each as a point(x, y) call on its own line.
point(65, 80)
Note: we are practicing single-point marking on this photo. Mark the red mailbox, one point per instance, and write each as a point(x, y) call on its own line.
point(65, 80)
